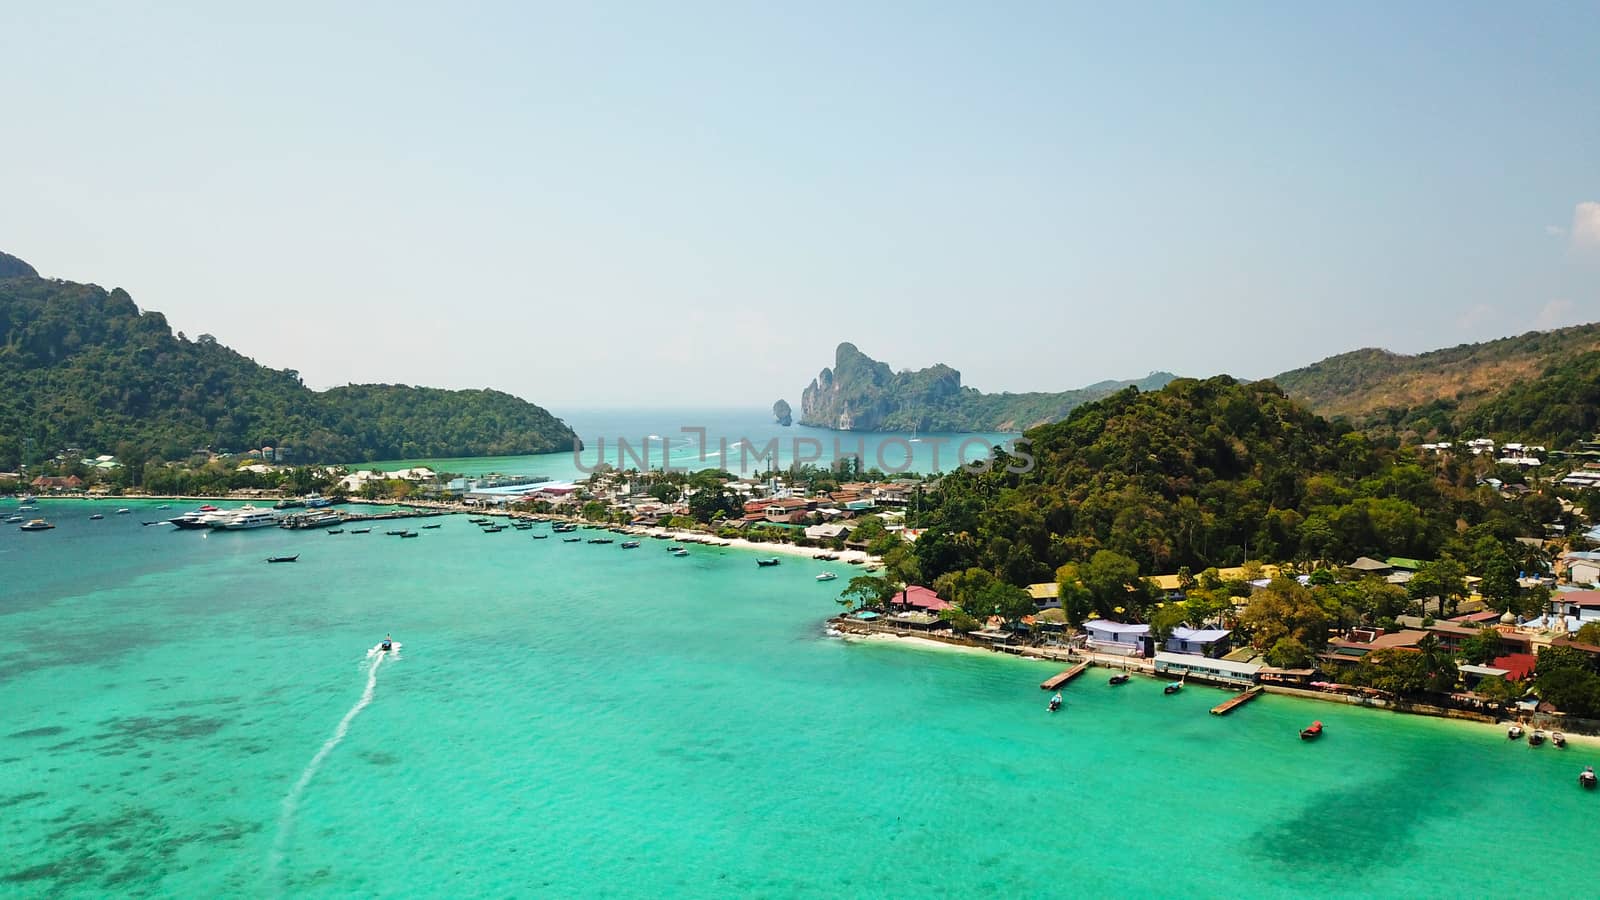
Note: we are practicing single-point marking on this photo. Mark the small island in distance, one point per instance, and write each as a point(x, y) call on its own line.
point(861, 393)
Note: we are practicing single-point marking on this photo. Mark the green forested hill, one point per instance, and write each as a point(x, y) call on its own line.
point(1206, 473)
point(933, 399)
point(1371, 385)
point(84, 367)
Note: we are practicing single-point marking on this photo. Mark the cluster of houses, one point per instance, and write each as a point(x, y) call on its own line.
point(1510, 454)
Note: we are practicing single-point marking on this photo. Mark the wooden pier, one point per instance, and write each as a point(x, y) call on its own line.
point(1232, 703)
point(1054, 682)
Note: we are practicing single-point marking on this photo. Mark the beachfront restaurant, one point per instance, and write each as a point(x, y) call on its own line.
point(1224, 671)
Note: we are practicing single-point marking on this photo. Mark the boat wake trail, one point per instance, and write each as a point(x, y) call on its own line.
point(291, 801)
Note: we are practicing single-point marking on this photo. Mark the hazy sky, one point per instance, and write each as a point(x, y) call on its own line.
point(691, 204)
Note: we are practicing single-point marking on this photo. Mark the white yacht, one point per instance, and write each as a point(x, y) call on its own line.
point(249, 517)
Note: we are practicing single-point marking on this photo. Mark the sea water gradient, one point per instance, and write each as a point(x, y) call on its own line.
point(583, 720)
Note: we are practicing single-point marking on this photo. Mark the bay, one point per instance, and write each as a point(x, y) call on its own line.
point(744, 441)
point(582, 720)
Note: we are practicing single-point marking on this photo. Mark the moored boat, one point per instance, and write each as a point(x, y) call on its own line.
point(1312, 733)
point(434, 525)
point(283, 559)
point(1055, 702)
point(572, 540)
point(96, 517)
point(1172, 687)
point(630, 545)
point(1559, 739)
point(361, 531)
point(409, 534)
point(1514, 732)
point(539, 537)
point(1119, 679)
point(14, 519)
point(1587, 777)
point(680, 552)
point(770, 561)
point(396, 533)
point(124, 511)
point(335, 531)
point(1536, 738)
point(826, 576)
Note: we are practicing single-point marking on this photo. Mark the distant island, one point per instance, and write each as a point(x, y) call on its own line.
point(861, 393)
point(83, 367)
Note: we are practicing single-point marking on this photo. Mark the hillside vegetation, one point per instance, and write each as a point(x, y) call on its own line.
point(1207, 473)
point(1368, 386)
point(81, 366)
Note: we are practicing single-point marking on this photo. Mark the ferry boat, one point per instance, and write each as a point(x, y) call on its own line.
point(35, 525)
point(315, 501)
point(248, 518)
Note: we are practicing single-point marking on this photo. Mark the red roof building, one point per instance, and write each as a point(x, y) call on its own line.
point(1518, 666)
point(919, 597)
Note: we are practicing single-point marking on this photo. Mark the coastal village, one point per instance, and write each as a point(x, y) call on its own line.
point(1425, 636)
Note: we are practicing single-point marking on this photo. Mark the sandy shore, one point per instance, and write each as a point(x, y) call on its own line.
point(911, 641)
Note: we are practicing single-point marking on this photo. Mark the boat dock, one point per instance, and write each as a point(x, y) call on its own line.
point(1236, 701)
point(322, 519)
point(1055, 682)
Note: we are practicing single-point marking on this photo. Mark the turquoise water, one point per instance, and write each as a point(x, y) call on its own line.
point(656, 437)
point(577, 720)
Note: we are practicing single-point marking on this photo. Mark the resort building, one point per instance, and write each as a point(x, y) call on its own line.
point(1199, 641)
point(1045, 594)
point(1224, 671)
point(1117, 637)
point(1581, 605)
point(917, 597)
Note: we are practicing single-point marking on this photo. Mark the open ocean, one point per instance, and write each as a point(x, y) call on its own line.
point(178, 718)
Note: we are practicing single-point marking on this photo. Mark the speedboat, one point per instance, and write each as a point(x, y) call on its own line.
point(1055, 702)
point(124, 511)
point(771, 561)
point(826, 576)
point(1172, 687)
point(35, 525)
point(165, 506)
point(1559, 739)
point(674, 548)
point(680, 552)
point(96, 517)
point(1514, 732)
point(14, 519)
point(1119, 679)
point(1587, 777)
point(1312, 733)
point(630, 545)
point(1536, 738)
